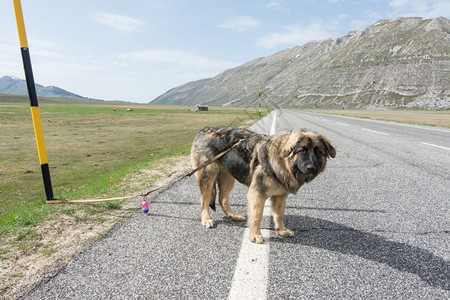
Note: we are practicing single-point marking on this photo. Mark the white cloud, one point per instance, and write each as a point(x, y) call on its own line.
point(277, 5)
point(295, 35)
point(421, 8)
point(241, 23)
point(120, 23)
point(179, 58)
point(273, 4)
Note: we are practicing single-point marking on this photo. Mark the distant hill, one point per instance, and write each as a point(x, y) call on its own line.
point(16, 86)
point(403, 62)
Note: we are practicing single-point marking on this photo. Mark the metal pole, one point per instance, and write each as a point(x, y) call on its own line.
point(35, 114)
point(259, 106)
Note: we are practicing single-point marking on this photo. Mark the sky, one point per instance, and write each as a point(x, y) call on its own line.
point(135, 50)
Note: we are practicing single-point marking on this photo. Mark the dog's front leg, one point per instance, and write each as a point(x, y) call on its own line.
point(278, 209)
point(256, 208)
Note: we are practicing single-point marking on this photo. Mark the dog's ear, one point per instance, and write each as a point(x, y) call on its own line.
point(331, 151)
point(290, 144)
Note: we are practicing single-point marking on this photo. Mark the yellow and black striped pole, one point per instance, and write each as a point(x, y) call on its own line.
point(259, 106)
point(35, 114)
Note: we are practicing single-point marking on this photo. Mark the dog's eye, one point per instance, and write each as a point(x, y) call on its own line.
point(301, 151)
point(318, 151)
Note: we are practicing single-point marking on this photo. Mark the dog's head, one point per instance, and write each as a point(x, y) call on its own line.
point(307, 152)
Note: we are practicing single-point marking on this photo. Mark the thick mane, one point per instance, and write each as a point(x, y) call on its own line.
point(269, 160)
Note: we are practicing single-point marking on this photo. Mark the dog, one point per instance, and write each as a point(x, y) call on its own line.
point(270, 166)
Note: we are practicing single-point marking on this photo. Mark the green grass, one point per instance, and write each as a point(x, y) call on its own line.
point(90, 148)
point(24, 216)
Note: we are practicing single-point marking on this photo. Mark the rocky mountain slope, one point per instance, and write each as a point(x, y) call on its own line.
point(404, 62)
point(15, 86)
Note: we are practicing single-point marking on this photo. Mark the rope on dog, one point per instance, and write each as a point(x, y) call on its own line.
point(190, 173)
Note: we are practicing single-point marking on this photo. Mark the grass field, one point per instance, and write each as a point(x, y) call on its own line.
point(90, 146)
point(95, 150)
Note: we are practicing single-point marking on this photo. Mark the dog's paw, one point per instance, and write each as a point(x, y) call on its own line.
point(285, 232)
point(208, 223)
point(237, 218)
point(257, 238)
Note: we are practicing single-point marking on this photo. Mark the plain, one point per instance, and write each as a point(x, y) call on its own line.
point(95, 149)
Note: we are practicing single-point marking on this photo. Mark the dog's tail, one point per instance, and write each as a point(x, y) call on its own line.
point(212, 199)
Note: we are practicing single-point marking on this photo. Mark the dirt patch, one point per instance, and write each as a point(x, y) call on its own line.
point(158, 175)
point(29, 260)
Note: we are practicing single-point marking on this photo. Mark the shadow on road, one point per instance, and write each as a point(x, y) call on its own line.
point(337, 209)
point(336, 237)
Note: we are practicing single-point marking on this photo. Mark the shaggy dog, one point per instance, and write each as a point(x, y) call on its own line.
point(270, 166)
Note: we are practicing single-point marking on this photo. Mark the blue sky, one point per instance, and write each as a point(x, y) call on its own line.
point(135, 50)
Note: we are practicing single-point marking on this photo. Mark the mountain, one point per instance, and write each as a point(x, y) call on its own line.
point(403, 62)
point(16, 86)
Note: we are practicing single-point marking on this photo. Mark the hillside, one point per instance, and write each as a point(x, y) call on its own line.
point(404, 62)
point(16, 86)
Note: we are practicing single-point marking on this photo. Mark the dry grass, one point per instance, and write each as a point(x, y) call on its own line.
point(94, 152)
point(91, 147)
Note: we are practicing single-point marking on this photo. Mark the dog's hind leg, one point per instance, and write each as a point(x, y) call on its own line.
point(206, 180)
point(226, 183)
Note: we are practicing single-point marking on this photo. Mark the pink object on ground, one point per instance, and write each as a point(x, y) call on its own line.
point(145, 206)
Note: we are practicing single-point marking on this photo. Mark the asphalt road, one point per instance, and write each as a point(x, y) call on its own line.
point(374, 225)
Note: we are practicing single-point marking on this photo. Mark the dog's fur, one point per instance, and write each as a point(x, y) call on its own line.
point(270, 166)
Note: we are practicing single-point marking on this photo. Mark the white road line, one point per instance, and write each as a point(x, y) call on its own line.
point(343, 124)
point(378, 132)
point(442, 147)
point(251, 275)
point(274, 122)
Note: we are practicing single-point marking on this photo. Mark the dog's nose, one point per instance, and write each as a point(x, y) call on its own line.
point(311, 168)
